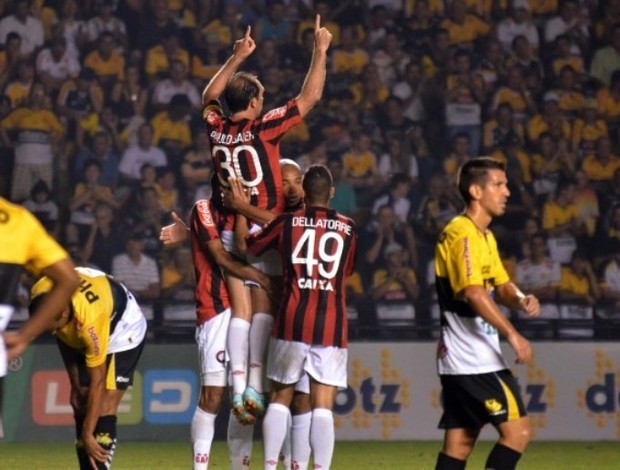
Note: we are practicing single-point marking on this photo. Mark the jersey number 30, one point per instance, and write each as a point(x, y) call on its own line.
point(229, 162)
point(319, 253)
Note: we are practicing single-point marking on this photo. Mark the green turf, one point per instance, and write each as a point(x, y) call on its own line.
point(348, 456)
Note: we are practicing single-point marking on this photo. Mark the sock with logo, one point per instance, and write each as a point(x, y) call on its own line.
point(286, 451)
point(300, 437)
point(445, 462)
point(260, 332)
point(322, 437)
point(274, 431)
point(105, 435)
point(202, 430)
point(237, 346)
point(502, 458)
point(239, 443)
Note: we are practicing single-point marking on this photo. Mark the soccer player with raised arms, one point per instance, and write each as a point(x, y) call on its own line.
point(477, 386)
point(245, 145)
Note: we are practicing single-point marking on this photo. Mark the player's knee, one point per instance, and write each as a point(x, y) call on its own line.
point(210, 399)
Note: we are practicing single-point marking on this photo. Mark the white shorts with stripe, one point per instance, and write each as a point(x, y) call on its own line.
point(289, 361)
point(211, 339)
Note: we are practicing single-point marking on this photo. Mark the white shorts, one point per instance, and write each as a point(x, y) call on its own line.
point(5, 316)
point(288, 362)
point(130, 329)
point(212, 357)
point(303, 385)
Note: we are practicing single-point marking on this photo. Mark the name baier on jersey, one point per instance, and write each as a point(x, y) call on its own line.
point(317, 246)
point(250, 151)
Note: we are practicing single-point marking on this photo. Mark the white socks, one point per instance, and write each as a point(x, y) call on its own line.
point(237, 345)
point(300, 437)
point(260, 332)
point(286, 451)
point(239, 443)
point(202, 429)
point(322, 437)
point(274, 432)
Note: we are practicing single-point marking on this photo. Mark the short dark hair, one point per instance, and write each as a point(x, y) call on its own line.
point(476, 171)
point(241, 88)
point(317, 183)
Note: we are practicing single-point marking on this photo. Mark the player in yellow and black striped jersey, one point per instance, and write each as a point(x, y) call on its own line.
point(24, 243)
point(100, 332)
point(477, 386)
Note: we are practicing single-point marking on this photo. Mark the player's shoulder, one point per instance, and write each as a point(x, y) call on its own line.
point(459, 227)
point(281, 111)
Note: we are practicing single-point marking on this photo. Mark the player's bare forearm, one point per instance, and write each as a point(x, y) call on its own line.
point(510, 295)
point(312, 89)
point(96, 394)
point(482, 303)
point(241, 50)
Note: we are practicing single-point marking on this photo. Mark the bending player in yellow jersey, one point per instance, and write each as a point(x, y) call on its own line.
point(101, 332)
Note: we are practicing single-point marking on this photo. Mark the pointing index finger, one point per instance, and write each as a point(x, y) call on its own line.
point(248, 31)
point(317, 23)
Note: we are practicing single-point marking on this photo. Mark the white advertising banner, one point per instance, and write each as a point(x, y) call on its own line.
point(571, 392)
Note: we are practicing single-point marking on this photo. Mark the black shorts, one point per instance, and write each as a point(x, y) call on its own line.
point(120, 368)
point(471, 401)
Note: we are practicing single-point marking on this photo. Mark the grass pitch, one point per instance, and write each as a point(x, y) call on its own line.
point(347, 456)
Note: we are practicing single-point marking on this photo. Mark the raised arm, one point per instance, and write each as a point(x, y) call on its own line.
point(312, 89)
point(242, 49)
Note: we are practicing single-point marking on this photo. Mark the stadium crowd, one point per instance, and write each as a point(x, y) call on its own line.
point(102, 134)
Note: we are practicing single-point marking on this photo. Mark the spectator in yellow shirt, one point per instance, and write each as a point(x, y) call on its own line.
point(349, 59)
point(588, 128)
point(360, 164)
point(515, 93)
point(107, 64)
point(159, 58)
point(171, 131)
point(601, 166)
point(609, 101)
point(496, 129)
point(464, 28)
point(549, 120)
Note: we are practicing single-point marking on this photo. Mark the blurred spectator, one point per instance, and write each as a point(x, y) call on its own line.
point(369, 91)
point(601, 166)
point(570, 98)
point(197, 168)
point(579, 292)
point(588, 128)
point(171, 131)
point(105, 20)
point(492, 65)
point(129, 98)
point(273, 24)
point(461, 152)
point(207, 59)
point(316, 155)
point(397, 160)
point(106, 62)
point(344, 200)
point(422, 23)
point(464, 95)
point(159, 23)
point(143, 152)
point(515, 93)
point(348, 59)
point(608, 99)
point(540, 275)
point(55, 65)
point(607, 59)
point(391, 58)
point(524, 56)
point(138, 271)
point(43, 207)
point(586, 201)
point(395, 289)
point(178, 83)
point(159, 58)
point(464, 28)
point(360, 166)
point(410, 89)
point(145, 216)
point(385, 228)
point(518, 23)
point(496, 130)
point(394, 124)
point(168, 193)
point(105, 238)
point(561, 223)
point(102, 151)
point(549, 120)
point(563, 56)
point(19, 88)
point(611, 284)
point(87, 194)
point(549, 164)
point(178, 280)
point(435, 209)
point(571, 22)
point(70, 25)
point(22, 22)
point(396, 196)
point(38, 132)
point(10, 57)
point(607, 240)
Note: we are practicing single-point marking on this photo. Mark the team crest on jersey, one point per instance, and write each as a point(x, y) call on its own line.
point(205, 214)
point(275, 114)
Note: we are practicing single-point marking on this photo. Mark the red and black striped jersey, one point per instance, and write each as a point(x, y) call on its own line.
point(211, 293)
point(250, 151)
point(317, 246)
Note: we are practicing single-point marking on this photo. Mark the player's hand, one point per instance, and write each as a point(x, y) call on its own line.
point(521, 347)
point(235, 195)
point(322, 36)
point(175, 232)
point(15, 344)
point(530, 305)
point(244, 47)
point(95, 452)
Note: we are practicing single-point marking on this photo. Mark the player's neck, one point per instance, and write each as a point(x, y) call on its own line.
point(479, 217)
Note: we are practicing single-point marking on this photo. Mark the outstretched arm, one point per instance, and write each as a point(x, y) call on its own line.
point(312, 89)
point(242, 49)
